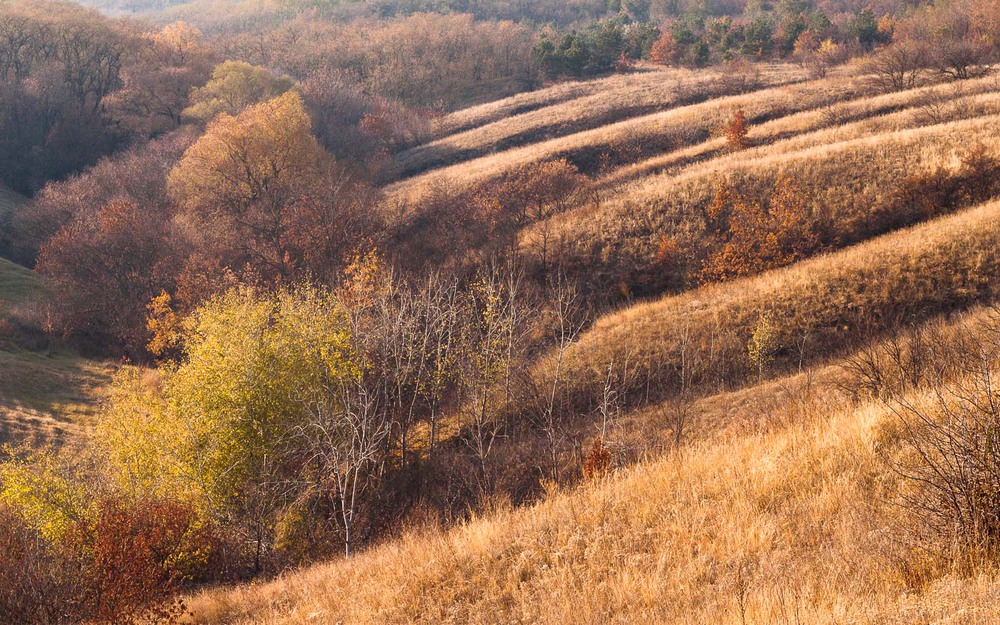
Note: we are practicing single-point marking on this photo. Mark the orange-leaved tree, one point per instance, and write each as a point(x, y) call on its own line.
point(736, 131)
point(757, 236)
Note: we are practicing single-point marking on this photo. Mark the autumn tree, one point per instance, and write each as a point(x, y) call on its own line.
point(263, 196)
point(817, 55)
point(899, 66)
point(493, 335)
point(137, 175)
point(105, 266)
point(59, 63)
point(736, 131)
point(567, 321)
point(763, 344)
point(223, 428)
point(533, 194)
point(757, 236)
point(234, 86)
point(407, 337)
point(166, 67)
point(74, 553)
point(665, 50)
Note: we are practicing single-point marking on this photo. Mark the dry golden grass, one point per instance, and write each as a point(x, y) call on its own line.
point(817, 307)
point(794, 522)
point(781, 507)
point(536, 116)
point(18, 286)
point(661, 131)
point(843, 173)
point(48, 397)
point(783, 510)
point(840, 121)
point(647, 73)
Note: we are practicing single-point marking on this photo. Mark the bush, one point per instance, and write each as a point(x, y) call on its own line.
point(950, 456)
point(736, 131)
point(122, 566)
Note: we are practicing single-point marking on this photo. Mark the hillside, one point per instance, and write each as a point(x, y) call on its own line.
point(791, 513)
point(8, 201)
point(46, 395)
point(815, 308)
point(782, 500)
point(854, 157)
point(479, 311)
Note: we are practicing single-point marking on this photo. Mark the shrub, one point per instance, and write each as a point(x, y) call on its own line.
point(756, 238)
point(598, 460)
point(736, 131)
point(950, 458)
point(762, 345)
point(123, 566)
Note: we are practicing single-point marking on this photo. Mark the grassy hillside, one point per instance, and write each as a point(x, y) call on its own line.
point(814, 308)
point(686, 111)
point(845, 174)
point(784, 503)
point(647, 134)
point(8, 201)
point(668, 345)
point(18, 286)
point(576, 107)
point(856, 156)
point(45, 395)
point(792, 518)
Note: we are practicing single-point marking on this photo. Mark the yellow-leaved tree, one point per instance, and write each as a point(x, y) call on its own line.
point(234, 86)
point(262, 195)
point(229, 428)
point(39, 488)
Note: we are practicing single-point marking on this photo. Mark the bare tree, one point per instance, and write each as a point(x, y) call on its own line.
point(495, 323)
point(676, 412)
point(566, 326)
point(346, 438)
point(899, 66)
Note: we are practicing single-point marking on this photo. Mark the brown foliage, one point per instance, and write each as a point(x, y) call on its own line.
point(937, 191)
point(598, 460)
point(458, 229)
point(105, 266)
point(137, 174)
point(736, 131)
point(421, 60)
point(123, 568)
point(259, 194)
point(757, 238)
point(665, 50)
